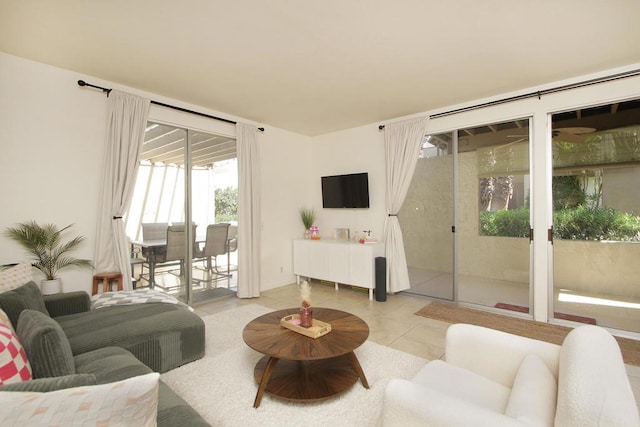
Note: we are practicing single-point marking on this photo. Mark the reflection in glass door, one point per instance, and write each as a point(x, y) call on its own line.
point(596, 215)
point(493, 216)
point(426, 219)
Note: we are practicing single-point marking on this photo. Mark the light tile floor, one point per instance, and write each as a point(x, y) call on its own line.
point(391, 323)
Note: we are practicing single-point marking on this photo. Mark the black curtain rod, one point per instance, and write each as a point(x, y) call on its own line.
point(162, 104)
point(537, 94)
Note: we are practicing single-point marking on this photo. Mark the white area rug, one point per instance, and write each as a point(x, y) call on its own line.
point(222, 389)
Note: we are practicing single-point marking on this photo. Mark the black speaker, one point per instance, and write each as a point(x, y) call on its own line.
point(381, 278)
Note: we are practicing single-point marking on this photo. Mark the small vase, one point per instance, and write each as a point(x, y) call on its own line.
point(306, 317)
point(314, 232)
point(307, 234)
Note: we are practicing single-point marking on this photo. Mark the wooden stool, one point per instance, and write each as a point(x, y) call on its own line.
point(107, 280)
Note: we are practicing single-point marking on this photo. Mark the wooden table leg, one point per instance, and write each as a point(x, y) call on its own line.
point(265, 380)
point(358, 369)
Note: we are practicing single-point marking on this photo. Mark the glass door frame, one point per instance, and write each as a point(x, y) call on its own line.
point(454, 237)
point(188, 263)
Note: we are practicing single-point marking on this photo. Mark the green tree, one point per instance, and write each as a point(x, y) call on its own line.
point(226, 200)
point(567, 192)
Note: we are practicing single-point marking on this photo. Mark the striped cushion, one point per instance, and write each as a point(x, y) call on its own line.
point(162, 336)
point(45, 344)
point(131, 402)
point(52, 384)
point(14, 365)
point(21, 298)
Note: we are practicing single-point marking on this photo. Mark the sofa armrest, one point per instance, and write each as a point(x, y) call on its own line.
point(67, 303)
point(495, 354)
point(43, 385)
point(408, 404)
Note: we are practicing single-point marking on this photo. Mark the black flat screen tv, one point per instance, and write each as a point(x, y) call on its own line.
point(346, 191)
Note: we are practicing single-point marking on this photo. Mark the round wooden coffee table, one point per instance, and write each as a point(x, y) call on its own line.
point(298, 368)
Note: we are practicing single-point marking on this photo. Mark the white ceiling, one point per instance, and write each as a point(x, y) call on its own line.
point(314, 67)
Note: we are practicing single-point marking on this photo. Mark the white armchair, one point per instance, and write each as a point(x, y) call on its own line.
point(491, 378)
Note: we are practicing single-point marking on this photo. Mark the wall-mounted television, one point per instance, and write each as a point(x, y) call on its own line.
point(346, 191)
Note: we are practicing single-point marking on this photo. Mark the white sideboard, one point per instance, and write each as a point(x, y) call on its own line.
point(337, 261)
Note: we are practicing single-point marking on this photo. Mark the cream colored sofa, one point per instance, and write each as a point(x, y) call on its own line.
point(491, 378)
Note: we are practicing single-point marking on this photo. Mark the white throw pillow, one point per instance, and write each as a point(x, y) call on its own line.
point(131, 402)
point(533, 395)
point(15, 276)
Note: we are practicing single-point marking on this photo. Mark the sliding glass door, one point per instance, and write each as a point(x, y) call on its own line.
point(179, 183)
point(426, 219)
point(596, 215)
point(493, 216)
point(466, 217)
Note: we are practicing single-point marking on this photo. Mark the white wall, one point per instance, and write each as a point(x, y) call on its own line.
point(354, 150)
point(51, 149)
point(285, 162)
point(52, 135)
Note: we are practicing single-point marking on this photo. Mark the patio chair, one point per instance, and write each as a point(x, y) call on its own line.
point(215, 244)
point(151, 231)
point(174, 254)
point(232, 246)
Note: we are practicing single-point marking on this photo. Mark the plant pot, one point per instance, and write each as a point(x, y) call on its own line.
point(49, 287)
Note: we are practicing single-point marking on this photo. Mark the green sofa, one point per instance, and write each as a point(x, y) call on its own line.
point(69, 345)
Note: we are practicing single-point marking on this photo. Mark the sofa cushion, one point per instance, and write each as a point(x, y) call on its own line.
point(464, 385)
point(110, 364)
point(14, 364)
point(593, 386)
point(131, 402)
point(114, 363)
point(173, 410)
point(162, 336)
point(15, 276)
point(533, 396)
point(27, 296)
point(45, 344)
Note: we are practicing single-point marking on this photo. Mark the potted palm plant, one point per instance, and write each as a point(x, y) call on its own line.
point(50, 254)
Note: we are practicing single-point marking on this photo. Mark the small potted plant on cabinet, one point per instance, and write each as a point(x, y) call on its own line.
point(307, 216)
point(50, 254)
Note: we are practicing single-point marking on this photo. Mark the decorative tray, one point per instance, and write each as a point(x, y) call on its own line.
point(318, 328)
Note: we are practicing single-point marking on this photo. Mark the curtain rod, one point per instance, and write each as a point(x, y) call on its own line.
point(537, 94)
point(162, 104)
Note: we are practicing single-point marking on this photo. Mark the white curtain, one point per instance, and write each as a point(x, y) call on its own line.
point(248, 211)
point(126, 123)
point(402, 142)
